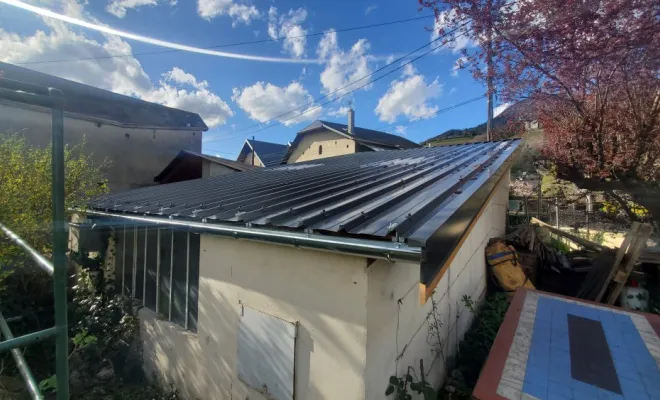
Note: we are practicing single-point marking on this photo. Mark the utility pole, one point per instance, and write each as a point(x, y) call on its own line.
point(490, 72)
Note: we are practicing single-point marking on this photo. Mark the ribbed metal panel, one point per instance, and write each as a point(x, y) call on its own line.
point(385, 195)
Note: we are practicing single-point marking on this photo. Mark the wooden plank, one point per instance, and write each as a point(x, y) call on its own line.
point(636, 247)
point(617, 260)
point(582, 242)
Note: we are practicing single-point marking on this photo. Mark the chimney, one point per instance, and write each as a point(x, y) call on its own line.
point(351, 120)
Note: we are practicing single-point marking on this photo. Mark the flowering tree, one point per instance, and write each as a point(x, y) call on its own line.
point(592, 70)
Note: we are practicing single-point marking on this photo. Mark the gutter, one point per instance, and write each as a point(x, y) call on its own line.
point(390, 251)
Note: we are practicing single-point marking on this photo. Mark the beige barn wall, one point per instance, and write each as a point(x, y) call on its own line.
point(333, 145)
point(324, 292)
point(257, 161)
point(213, 169)
point(397, 325)
point(136, 155)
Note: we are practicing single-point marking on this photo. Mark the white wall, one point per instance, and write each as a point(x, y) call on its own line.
point(398, 326)
point(136, 155)
point(356, 318)
point(324, 292)
point(332, 143)
point(213, 169)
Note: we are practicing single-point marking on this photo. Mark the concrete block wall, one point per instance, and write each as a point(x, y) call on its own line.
point(398, 326)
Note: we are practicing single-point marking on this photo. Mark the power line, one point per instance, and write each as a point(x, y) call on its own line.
point(346, 86)
point(443, 110)
point(410, 122)
point(353, 90)
point(270, 40)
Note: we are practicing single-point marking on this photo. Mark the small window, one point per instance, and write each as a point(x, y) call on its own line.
point(320, 149)
point(347, 146)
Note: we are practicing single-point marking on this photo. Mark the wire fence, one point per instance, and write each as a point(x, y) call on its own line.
point(562, 214)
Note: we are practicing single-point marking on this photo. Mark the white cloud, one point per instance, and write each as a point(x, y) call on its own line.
point(458, 65)
point(209, 9)
point(343, 67)
point(256, 33)
point(265, 101)
point(288, 26)
point(118, 8)
point(123, 75)
point(400, 129)
point(339, 112)
point(500, 109)
point(408, 96)
point(370, 9)
point(455, 41)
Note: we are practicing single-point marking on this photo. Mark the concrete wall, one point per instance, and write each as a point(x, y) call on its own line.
point(212, 169)
point(324, 292)
point(332, 143)
point(398, 327)
point(359, 322)
point(136, 155)
point(257, 161)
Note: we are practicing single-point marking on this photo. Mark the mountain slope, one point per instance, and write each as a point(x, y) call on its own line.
point(520, 111)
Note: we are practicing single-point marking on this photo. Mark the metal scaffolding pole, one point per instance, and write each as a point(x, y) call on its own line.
point(54, 99)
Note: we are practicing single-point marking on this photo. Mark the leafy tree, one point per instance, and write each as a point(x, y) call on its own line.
point(591, 69)
point(25, 185)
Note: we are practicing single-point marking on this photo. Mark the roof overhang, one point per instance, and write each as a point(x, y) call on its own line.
point(391, 251)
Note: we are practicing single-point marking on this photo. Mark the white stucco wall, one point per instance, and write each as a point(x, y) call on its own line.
point(359, 322)
point(324, 292)
point(398, 326)
point(332, 144)
point(136, 155)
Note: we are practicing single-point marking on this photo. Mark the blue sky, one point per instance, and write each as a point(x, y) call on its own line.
point(232, 95)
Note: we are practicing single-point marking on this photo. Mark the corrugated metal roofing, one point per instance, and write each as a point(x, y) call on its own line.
point(89, 101)
point(404, 195)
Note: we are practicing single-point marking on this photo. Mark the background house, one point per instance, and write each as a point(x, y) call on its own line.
point(189, 165)
point(324, 139)
point(138, 138)
point(262, 154)
point(330, 287)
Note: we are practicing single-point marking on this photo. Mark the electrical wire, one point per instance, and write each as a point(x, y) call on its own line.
point(349, 92)
point(394, 125)
point(236, 134)
point(270, 40)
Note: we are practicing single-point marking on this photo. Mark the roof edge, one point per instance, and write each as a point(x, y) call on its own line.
point(391, 251)
point(90, 118)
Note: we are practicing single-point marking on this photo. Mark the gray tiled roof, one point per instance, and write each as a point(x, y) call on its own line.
point(88, 101)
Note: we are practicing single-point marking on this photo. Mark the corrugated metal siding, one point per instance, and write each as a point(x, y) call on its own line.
point(403, 194)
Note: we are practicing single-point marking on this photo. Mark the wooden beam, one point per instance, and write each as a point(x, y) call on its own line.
point(582, 242)
point(617, 260)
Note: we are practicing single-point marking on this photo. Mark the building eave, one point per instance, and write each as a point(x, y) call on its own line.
point(391, 251)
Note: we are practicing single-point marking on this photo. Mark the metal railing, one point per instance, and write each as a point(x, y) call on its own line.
point(53, 99)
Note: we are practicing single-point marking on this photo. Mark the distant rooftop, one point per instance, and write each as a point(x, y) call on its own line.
point(86, 101)
point(270, 154)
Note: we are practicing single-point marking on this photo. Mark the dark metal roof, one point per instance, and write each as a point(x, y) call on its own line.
point(88, 101)
point(235, 165)
point(270, 154)
point(187, 154)
point(422, 197)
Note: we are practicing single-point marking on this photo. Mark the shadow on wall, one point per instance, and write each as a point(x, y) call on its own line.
point(205, 365)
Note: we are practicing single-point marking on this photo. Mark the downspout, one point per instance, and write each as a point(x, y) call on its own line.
point(391, 251)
